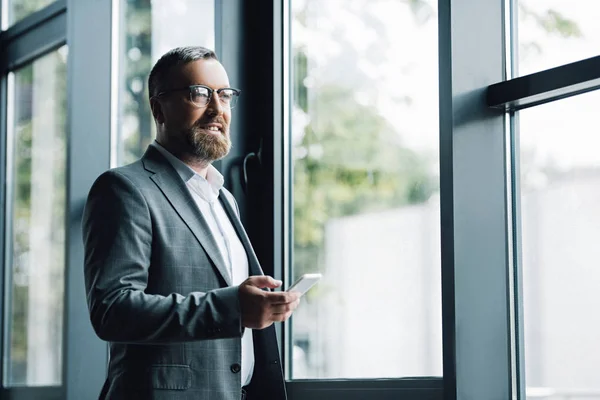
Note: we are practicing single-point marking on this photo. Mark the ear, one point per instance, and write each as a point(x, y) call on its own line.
point(157, 110)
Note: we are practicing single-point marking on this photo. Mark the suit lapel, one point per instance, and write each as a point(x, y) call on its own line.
point(175, 190)
point(253, 263)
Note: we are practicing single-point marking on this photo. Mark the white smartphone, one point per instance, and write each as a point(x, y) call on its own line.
point(304, 283)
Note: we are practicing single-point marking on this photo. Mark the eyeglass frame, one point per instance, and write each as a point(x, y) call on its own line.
point(236, 92)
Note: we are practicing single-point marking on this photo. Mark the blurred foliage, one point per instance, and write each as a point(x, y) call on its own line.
point(21, 246)
point(349, 160)
point(551, 21)
point(137, 64)
point(23, 226)
point(19, 9)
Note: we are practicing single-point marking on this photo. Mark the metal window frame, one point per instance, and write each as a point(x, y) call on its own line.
point(513, 153)
point(360, 389)
point(86, 27)
point(33, 393)
point(545, 86)
point(410, 388)
point(510, 96)
point(89, 28)
point(30, 38)
point(476, 228)
point(33, 36)
point(467, 62)
point(3, 224)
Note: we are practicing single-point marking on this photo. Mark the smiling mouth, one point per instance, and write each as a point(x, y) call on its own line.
point(213, 129)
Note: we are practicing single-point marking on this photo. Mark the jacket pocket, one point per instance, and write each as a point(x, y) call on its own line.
point(171, 377)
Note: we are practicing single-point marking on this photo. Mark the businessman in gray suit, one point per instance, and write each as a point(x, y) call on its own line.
point(171, 279)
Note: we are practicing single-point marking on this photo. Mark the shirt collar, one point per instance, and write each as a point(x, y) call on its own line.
point(214, 179)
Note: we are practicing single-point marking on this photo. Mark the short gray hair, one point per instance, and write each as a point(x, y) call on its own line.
point(175, 57)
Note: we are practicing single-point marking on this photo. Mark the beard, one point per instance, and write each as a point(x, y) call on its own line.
point(207, 146)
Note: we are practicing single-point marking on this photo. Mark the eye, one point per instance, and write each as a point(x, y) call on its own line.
point(199, 94)
point(226, 94)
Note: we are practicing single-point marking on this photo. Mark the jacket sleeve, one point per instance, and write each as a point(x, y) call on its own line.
point(117, 236)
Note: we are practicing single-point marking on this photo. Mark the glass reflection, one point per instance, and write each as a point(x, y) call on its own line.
point(364, 148)
point(36, 295)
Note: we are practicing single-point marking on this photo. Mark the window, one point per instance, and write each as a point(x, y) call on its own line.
point(365, 193)
point(36, 240)
point(359, 178)
point(150, 29)
point(555, 32)
point(560, 193)
point(555, 164)
point(19, 9)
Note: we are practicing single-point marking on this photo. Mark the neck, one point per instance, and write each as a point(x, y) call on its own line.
point(198, 165)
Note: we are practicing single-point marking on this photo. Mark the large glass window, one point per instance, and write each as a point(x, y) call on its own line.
point(148, 30)
point(364, 154)
point(36, 222)
point(560, 194)
point(556, 32)
point(19, 9)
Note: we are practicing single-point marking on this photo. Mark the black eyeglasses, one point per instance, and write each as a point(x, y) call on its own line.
point(201, 95)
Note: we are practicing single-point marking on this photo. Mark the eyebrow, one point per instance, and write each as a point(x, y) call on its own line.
point(203, 84)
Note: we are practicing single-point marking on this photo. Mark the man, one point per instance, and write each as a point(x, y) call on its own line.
point(171, 279)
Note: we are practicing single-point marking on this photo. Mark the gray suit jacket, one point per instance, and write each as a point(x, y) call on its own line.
point(158, 290)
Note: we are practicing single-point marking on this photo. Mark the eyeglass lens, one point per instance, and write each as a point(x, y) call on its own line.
point(201, 97)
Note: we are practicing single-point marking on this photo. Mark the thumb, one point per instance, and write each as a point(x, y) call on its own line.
point(265, 281)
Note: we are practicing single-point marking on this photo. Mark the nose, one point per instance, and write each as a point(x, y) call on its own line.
point(214, 106)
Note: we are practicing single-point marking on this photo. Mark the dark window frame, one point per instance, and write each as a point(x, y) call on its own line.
point(88, 135)
point(32, 37)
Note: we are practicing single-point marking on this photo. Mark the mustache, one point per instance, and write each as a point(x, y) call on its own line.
point(202, 122)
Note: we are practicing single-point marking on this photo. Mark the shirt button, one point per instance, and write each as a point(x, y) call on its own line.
point(235, 368)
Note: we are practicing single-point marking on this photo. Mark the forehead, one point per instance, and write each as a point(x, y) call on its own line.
point(208, 72)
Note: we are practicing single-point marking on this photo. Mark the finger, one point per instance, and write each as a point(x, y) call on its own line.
point(264, 281)
point(283, 308)
point(281, 317)
point(251, 289)
point(282, 297)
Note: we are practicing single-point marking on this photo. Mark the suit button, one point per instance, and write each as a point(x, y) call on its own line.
point(235, 368)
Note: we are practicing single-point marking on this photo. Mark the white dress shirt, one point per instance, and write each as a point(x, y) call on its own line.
point(206, 195)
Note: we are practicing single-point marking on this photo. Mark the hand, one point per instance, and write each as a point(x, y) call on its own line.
point(261, 308)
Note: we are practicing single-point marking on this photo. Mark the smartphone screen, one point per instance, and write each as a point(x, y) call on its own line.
point(304, 283)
